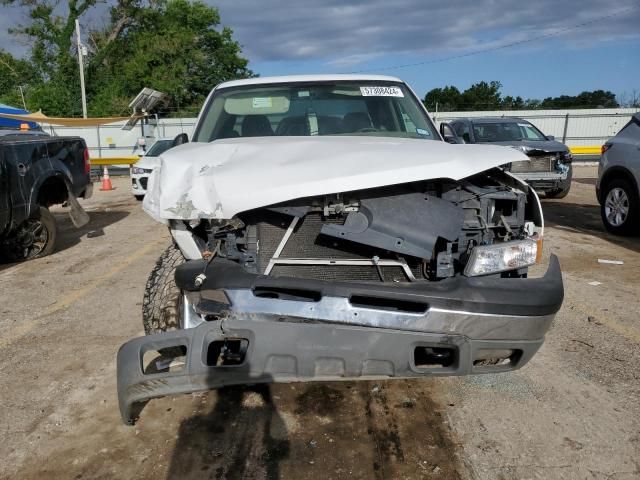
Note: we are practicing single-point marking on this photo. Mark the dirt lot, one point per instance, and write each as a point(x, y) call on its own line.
point(573, 412)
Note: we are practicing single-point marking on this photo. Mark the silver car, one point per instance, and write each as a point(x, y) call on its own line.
point(618, 180)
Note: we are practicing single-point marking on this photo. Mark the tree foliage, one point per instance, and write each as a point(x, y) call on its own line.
point(175, 46)
point(487, 96)
point(594, 99)
point(13, 74)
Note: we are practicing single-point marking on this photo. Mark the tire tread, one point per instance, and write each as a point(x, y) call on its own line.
point(161, 300)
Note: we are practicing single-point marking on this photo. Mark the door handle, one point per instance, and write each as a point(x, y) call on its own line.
point(22, 169)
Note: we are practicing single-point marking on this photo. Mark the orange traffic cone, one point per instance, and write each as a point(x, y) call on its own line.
point(106, 181)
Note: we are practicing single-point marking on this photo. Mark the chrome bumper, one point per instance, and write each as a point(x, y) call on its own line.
point(402, 332)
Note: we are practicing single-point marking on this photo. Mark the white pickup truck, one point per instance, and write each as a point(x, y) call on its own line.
point(324, 230)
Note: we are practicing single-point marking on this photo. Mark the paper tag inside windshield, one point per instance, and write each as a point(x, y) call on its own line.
point(262, 102)
point(381, 92)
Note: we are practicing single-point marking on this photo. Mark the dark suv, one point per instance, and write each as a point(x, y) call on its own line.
point(549, 167)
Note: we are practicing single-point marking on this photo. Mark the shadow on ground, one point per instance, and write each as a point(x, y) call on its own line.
point(585, 181)
point(585, 219)
point(357, 430)
point(69, 235)
point(243, 436)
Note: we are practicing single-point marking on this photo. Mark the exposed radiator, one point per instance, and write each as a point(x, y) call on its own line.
point(544, 163)
point(306, 242)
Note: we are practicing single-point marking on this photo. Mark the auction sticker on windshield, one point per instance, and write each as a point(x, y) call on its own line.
point(262, 102)
point(381, 92)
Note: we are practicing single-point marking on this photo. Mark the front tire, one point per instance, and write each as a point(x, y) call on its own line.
point(161, 303)
point(620, 208)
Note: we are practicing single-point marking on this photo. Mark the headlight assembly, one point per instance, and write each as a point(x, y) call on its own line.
point(501, 257)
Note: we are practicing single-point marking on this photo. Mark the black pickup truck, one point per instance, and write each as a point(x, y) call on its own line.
point(37, 171)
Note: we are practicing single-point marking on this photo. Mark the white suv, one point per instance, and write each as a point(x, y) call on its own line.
point(141, 170)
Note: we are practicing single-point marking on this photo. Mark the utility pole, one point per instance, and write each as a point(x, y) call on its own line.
point(80, 62)
point(24, 104)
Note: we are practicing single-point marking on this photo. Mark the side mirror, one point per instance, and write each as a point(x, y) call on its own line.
point(448, 134)
point(180, 139)
point(453, 140)
point(550, 137)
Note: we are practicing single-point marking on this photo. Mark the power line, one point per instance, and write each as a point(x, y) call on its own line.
point(501, 47)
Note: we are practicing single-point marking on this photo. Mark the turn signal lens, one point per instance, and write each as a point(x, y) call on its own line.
point(539, 243)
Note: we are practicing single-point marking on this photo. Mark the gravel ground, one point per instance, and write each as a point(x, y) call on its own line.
point(573, 412)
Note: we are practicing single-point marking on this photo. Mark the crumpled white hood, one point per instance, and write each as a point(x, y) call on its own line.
point(226, 177)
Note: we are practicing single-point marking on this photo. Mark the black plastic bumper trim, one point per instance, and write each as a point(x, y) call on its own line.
point(288, 352)
point(486, 295)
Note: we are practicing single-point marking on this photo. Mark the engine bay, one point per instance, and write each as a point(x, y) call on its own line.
point(402, 233)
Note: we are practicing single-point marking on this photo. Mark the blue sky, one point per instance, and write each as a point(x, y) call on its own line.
point(353, 35)
point(293, 37)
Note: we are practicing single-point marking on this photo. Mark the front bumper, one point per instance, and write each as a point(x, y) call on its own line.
point(304, 330)
point(543, 181)
point(139, 183)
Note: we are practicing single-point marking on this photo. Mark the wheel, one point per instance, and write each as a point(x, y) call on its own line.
point(561, 193)
point(161, 303)
point(620, 207)
point(35, 238)
point(139, 197)
point(565, 186)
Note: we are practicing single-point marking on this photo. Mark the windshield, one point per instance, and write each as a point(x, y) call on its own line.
point(336, 108)
point(506, 132)
point(159, 148)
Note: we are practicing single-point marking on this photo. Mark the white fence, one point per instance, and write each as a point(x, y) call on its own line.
point(108, 141)
point(574, 127)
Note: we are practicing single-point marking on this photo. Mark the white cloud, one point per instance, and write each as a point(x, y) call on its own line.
point(347, 32)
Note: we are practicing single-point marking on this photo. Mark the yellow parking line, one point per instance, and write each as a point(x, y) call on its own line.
point(69, 299)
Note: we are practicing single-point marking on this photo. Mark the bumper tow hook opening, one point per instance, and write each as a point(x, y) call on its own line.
point(227, 352)
point(496, 357)
point(167, 359)
point(434, 357)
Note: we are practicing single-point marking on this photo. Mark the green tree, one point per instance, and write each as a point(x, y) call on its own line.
point(55, 86)
point(175, 46)
point(482, 96)
point(594, 99)
point(446, 99)
point(479, 96)
point(511, 103)
point(487, 96)
point(13, 74)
